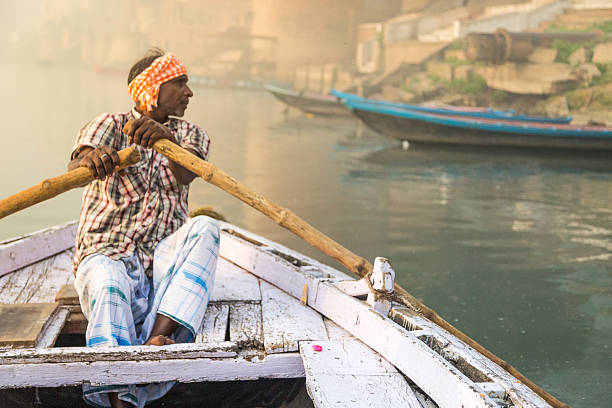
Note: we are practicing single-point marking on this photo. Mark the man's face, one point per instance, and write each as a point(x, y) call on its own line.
point(173, 97)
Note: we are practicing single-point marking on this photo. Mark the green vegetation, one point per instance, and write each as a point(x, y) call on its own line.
point(605, 26)
point(563, 29)
point(473, 85)
point(606, 74)
point(454, 61)
point(576, 100)
point(567, 48)
point(604, 98)
point(500, 97)
point(455, 45)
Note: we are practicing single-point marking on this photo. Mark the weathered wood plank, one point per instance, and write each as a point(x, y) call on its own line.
point(59, 274)
point(124, 353)
point(76, 323)
point(230, 232)
point(245, 324)
point(286, 321)
point(348, 373)
point(54, 277)
point(21, 324)
point(14, 284)
point(344, 356)
point(233, 283)
point(435, 375)
point(335, 332)
point(23, 251)
point(53, 328)
point(432, 373)
point(39, 282)
point(474, 365)
point(67, 295)
point(263, 264)
point(245, 367)
point(215, 324)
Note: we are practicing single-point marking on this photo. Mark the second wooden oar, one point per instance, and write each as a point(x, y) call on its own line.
point(49, 188)
point(287, 219)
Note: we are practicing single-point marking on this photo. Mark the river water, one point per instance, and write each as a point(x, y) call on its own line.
point(513, 248)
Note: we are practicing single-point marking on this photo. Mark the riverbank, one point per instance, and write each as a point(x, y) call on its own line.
point(564, 68)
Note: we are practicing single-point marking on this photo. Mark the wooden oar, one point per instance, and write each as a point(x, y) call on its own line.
point(287, 219)
point(54, 186)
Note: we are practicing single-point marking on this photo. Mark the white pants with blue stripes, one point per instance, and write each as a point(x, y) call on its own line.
point(121, 303)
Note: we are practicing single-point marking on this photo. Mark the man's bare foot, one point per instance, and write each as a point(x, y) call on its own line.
point(159, 340)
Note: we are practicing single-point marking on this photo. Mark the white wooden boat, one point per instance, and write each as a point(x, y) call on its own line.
point(271, 310)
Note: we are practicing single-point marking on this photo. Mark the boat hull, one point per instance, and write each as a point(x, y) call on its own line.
point(419, 131)
point(263, 392)
point(466, 111)
point(270, 310)
point(316, 104)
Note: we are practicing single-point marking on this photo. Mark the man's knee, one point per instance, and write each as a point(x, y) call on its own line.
point(202, 225)
point(103, 278)
point(203, 222)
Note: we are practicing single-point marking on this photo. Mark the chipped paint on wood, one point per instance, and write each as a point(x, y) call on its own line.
point(286, 321)
point(436, 376)
point(53, 328)
point(124, 353)
point(194, 369)
point(357, 318)
point(346, 372)
point(233, 283)
point(245, 324)
point(215, 324)
point(354, 287)
point(335, 332)
point(474, 365)
point(314, 267)
point(39, 282)
point(23, 251)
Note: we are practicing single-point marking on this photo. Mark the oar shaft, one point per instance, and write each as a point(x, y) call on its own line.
point(282, 216)
point(49, 188)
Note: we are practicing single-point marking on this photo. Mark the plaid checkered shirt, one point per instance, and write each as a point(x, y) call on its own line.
point(133, 211)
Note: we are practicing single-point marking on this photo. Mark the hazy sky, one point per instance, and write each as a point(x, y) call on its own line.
point(15, 15)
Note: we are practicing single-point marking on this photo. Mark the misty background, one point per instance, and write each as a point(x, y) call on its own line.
point(511, 248)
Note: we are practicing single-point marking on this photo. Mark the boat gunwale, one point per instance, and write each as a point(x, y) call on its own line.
point(490, 125)
point(301, 94)
point(264, 262)
point(487, 113)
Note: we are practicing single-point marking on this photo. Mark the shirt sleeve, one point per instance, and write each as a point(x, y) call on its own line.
point(98, 132)
point(197, 139)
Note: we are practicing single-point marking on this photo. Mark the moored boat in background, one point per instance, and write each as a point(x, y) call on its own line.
point(414, 126)
point(467, 111)
point(309, 102)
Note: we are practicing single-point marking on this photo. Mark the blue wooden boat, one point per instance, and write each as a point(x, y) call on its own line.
point(453, 110)
point(423, 127)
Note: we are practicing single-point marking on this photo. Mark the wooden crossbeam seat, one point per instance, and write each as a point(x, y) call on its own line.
point(27, 325)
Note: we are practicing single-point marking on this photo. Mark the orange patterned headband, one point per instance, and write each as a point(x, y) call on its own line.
point(144, 89)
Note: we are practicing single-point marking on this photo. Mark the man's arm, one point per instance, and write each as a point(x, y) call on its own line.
point(182, 175)
point(146, 131)
point(101, 161)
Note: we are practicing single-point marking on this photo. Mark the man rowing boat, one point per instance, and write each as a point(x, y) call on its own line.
point(144, 272)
